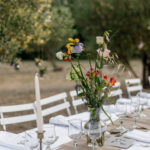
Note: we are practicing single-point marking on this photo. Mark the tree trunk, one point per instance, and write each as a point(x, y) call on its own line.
point(127, 63)
point(144, 61)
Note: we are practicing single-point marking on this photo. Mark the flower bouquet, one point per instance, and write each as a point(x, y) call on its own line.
point(94, 85)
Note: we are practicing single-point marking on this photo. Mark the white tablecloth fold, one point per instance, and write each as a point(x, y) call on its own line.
point(11, 140)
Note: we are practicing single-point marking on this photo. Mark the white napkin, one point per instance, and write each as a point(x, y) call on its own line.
point(11, 140)
point(63, 121)
point(124, 101)
point(114, 109)
point(138, 147)
point(145, 95)
point(141, 100)
point(138, 136)
point(59, 120)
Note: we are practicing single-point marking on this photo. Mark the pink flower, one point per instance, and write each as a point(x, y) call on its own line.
point(91, 73)
point(141, 45)
point(105, 53)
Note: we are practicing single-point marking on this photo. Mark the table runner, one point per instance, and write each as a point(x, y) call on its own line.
point(142, 122)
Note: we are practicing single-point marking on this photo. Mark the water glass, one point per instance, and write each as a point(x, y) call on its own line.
point(31, 140)
point(75, 131)
point(121, 109)
point(94, 132)
point(135, 113)
point(142, 101)
point(49, 136)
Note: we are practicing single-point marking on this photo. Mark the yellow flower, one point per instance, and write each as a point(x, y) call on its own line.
point(70, 48)
point(68, 45)
point(71, 40)
point(77, 40)
point(69, 52)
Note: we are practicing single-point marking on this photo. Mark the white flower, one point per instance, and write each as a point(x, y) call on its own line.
point(60, 55)
point(99, 39)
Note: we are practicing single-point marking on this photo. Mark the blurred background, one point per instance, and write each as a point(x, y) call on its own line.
point(32, 31)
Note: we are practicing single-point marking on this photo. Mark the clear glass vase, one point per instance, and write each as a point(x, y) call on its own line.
point(95, 120)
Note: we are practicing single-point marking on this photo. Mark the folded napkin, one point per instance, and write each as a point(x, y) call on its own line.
point(11, 140)
point(138, 136)
point(124, 101)
point(141, 100)
point(63, 121)
point(59, 120)
point(118, 109)
point(145, 95)
point(138, 147)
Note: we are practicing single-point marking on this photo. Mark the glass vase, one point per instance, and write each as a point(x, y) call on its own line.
point(95, 120)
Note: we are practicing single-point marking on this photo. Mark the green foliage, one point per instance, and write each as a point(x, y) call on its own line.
point(20, 23)
point(62, 27)
point(128, 20)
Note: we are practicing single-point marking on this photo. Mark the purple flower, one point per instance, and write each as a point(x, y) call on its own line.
point(78, 48)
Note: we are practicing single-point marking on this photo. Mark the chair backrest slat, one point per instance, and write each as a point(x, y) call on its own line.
point(116, 91)
point(17, 119)
point(55, 109)
point(76, 101)
point(56, 98)
point(133, 85)
point(16, 108)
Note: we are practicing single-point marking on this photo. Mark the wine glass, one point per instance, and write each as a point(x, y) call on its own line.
point(49, 136)
point(142, 101)
point(135, 113)
point(122, 110)
point(94, 132)
point(31, 140)
point(75, 131)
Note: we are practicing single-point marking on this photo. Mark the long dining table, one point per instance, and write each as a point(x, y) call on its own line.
point(142, 123)
point(10, 141)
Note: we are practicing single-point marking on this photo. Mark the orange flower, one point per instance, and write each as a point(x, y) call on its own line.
point(65, 59)
point(112, 81)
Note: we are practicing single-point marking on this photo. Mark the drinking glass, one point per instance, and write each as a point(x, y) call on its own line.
point(49, 136)
point(75, 131)
point(94, 132)
point(135, 113)
point(31, 140)
point(142, 101)
point(121, 109)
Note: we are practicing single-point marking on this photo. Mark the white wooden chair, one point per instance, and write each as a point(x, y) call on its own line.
point(76, 101)
point(16, 119)
point(133, 85)
point(117, 92)
point(56, 98)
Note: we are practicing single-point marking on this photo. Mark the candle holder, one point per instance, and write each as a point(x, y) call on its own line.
point(40, 137)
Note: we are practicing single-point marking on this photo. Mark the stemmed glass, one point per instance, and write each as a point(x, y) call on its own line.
point(142, 102)
point(75, 131)
point(122, 110)
point(31, 140)
point(135, 113)
point(94, 132)
point(49, 136)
